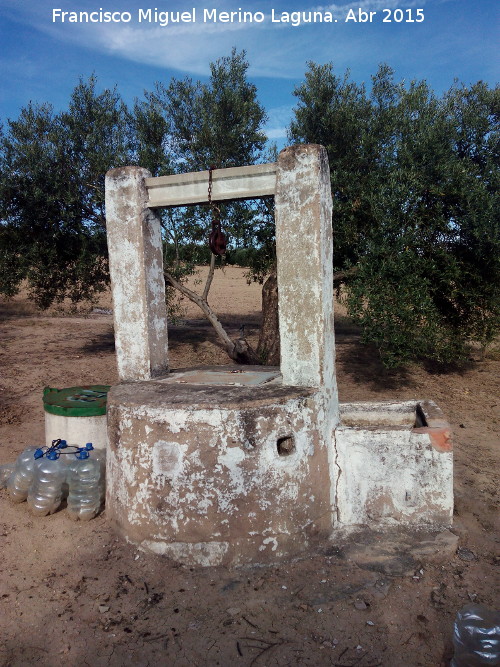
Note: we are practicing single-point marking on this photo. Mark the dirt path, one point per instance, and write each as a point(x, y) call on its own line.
point(73, 594)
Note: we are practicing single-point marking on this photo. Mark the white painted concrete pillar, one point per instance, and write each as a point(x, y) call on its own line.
point(303, 213)
point(136, 270)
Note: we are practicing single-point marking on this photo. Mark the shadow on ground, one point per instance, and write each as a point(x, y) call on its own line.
point(362, 362)
point(100, 343)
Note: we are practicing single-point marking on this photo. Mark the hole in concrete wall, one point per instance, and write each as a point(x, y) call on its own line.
point(285, 445)
point(420, 419)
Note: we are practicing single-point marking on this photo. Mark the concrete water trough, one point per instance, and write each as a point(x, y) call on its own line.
point(395, 463)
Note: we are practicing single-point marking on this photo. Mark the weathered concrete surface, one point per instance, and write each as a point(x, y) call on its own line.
point(247, 182)
point(304, 251)
point(393, 470)
point(215, 473)
point(386, 413)
point(303, 213)
point(212, 475)
point(136, 270)
point(222, 474)
point(212, 466)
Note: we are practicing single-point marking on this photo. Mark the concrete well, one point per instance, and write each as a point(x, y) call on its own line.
point(237, 465)
point(212, 474)
point(224, 466)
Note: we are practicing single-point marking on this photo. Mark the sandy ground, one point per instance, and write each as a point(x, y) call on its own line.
point(73, 594)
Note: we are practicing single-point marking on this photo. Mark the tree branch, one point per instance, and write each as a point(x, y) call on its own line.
point(210, 277)
point(342, 276)
point(202, 303)
point(238, 350)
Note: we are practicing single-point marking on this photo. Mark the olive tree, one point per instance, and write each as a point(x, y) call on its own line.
point(415, 214)
point(52, 218)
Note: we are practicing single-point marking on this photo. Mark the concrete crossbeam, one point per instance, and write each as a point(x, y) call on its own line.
point(234, 183)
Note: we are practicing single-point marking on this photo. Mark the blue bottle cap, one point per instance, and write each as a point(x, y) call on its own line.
point(53, 455)
point(89, 446)
point(38, 453)
point(62, 444)
point(82, 454)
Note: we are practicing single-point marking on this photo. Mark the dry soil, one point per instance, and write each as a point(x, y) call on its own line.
point(73, 594)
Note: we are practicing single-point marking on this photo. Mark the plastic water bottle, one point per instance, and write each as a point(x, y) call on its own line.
point(84, 498)
point(20, 480)
point(66, 459)
point(476, 637)
point(6, 471)
point(100, 456)
point(45, 493)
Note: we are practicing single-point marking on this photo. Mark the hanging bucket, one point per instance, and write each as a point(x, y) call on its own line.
point(76, 414)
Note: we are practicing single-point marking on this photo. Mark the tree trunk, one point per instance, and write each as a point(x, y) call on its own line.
point(268, 348)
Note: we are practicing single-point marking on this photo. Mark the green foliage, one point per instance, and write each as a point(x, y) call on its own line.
point(415, 185)
point(334, 112)
point(52, 170)
point(152, 137)
point(216, 124)
point(195, 254)
point(415, 191)
point(52, 167)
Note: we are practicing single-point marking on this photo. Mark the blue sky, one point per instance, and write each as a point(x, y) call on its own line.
point(41, 60)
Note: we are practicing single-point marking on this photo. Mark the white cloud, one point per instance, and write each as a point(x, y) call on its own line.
point(278, 121)
point(276, 133)
point(274, 49)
